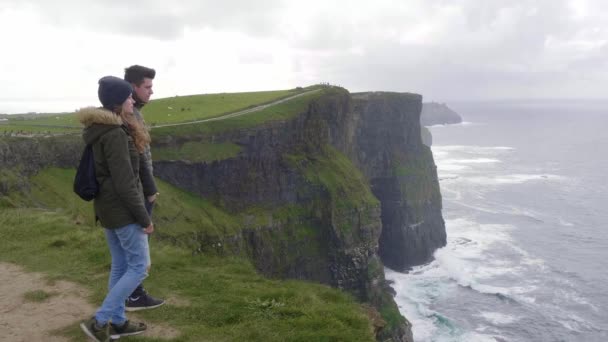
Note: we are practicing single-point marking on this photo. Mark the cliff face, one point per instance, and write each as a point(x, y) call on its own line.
point(23, 157)
point(309, 212)
point(303, 220)
point(403, 176)
point(316, 174)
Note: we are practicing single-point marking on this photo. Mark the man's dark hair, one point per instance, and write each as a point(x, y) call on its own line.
point(136, 73)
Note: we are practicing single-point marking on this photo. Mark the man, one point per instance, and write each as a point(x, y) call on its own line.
point(141, 79)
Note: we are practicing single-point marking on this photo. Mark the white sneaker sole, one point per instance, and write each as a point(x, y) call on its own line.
point(139, 308)
point(116, 337)
point(88, 332)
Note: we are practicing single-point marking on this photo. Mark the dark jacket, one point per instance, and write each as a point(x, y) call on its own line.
point(121, 199)
point(146, 173)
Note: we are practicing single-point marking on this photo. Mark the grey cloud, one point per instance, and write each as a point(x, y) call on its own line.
point(157, 19)
point(492, 48)
point(502, 52)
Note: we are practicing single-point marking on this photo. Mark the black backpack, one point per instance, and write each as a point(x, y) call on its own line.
point(85, 182)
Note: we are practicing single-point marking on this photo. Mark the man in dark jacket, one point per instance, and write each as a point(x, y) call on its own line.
point(141, 79)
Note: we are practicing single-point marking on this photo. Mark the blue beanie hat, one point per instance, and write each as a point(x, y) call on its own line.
point(113, 91)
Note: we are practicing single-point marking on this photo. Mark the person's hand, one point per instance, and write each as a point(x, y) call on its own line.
point(149, 229)
point(152, 198)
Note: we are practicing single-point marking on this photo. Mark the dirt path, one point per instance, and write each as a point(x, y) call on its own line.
point(24, 320)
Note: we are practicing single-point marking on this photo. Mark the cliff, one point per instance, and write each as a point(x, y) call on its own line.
point(330, 195)
point(438, 114)
point(346, 182)
point(403, 176)
point(22, 157)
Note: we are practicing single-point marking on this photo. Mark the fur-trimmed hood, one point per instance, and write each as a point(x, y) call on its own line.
point(92, 115)
point(97, 121)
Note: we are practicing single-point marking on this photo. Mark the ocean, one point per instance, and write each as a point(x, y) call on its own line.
point(525, 200)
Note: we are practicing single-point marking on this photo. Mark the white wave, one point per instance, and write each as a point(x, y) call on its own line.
point(448, 166)
point(415, 295)
point(474, 161)
point(572, 296)
point(438, 153)
point(461, 164)
point(470, 148)
point(453, 195)
point(467, 337)
point(463, 123)
point(512, 179)
point(474, 207)
point(565, 223)
point(467, 259)
point(574, 322)
point(497, 318)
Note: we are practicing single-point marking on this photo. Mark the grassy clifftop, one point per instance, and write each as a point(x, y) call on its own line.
point(170, 110)
point(52, 231)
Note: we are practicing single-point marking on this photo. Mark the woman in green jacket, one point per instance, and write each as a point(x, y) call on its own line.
point(117, 140)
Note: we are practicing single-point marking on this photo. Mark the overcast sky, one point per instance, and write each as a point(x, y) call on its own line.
point(55, 51)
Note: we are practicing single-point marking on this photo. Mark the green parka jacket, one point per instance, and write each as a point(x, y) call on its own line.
point(121, 199)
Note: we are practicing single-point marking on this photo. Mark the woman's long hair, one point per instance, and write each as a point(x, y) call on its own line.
point(137, 129)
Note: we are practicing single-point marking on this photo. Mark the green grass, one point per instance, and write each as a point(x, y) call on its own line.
point(24, 127)
point(336, 173)
point(178, 214)
point(226, 299)
point(37, 296)
point(54, 119)
point(198, 107)
point(197, 152)
point(390, 313)
point(161, 111)
point(350, 196)
point(280, 112)
point(416, 175)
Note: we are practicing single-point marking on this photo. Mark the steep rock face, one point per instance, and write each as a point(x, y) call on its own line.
point(426, 135)
point(403, 177)
point(23, 157)
point(321, 220)
point(276, 171)
point(380, 133)
point(289, 165)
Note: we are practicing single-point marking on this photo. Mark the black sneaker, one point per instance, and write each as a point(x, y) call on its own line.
point(95, 332)
point(128, 328)
point(143, 302)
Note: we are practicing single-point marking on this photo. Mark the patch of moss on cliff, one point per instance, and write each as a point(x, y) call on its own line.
point(417, 176)
point(197, 152)
point(334, 172)
point(390, 313)
point(375, 268)
point(263, 216)
point(9, 180)
point(291, 248)
point(286, 237)
point(13, 185)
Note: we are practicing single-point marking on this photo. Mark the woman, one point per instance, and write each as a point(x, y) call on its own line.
point(117, 140)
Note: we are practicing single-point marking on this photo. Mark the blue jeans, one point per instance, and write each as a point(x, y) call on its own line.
point(130, 257)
